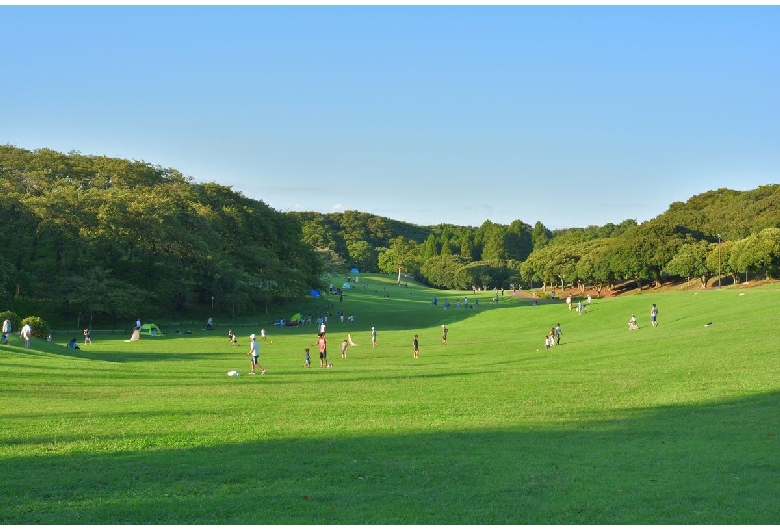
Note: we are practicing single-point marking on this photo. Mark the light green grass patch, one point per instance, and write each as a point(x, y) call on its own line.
point(670, 425)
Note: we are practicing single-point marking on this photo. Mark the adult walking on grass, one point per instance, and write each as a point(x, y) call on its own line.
point(416, 344)
point(254, 351)
point(25, 334)
point(654, 316)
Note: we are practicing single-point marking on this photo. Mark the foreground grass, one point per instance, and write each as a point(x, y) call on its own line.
point(670, 425)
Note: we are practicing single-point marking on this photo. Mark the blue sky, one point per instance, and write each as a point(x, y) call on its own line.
point(568, 115)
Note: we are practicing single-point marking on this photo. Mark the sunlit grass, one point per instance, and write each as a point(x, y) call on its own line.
point(670, 425)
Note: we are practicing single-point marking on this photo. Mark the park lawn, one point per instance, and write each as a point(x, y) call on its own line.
point(670, 425)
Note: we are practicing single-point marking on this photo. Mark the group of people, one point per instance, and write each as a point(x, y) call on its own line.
point(25, 333)
point(553, 338)
point(633, 324)
point(322, 345)
point(475, 305)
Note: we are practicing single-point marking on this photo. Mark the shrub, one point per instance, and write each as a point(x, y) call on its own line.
point(39, 326)
point(15, 319)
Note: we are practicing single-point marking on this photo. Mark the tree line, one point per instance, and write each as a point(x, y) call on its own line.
point(94, 235)
point(730, 232)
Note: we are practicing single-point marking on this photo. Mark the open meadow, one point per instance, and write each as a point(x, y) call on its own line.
point(677, 424)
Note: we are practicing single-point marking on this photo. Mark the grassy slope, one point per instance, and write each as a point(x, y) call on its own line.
point(676, 424)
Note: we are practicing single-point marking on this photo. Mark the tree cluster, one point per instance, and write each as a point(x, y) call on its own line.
point(119, 238)
point(105, 236)
point(724, 231)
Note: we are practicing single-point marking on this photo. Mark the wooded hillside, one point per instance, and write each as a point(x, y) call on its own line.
point(98, 235)
point(123, 238)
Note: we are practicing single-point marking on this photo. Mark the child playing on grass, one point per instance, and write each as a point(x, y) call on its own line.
point(254, 350)
point(416, 344)
point(344, 346)
point(307, 359)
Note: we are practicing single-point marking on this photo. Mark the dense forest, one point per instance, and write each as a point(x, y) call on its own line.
point(117, 238)
point(98, 235)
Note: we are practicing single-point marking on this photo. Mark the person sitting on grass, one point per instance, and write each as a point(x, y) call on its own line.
point(72, 344)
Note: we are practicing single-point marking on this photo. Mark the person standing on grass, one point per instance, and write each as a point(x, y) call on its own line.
point(323, 346)
point(546, 342)
point(416, 344)
point(558, 333)
point(7, 326)
point(26, 333)
point(654, 316)
point(373, 337)
point(87, 336)
point(344, 346)
point(254, 351)
point(444, 331)
point(307, 359)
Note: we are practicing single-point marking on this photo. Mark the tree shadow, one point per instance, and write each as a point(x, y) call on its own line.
point(713, 463)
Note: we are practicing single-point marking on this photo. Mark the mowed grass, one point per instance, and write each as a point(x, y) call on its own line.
point(677, 424)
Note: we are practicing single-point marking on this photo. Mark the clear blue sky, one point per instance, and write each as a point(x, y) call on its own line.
point(568, 115)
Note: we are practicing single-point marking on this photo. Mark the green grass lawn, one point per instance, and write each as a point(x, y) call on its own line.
point(677, 424)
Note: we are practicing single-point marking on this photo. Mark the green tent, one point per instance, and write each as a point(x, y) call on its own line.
point(296, 317)
point(146, 329)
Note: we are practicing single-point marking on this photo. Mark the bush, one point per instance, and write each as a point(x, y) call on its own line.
point(15, 319)
point(39, 326)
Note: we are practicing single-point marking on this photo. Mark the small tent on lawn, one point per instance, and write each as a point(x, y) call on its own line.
point(150, 329)
point(346, 286)
point(296, 317)
point(355, 271)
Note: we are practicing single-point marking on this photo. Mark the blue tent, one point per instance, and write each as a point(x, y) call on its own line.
point(315, 293)
point(355, 271)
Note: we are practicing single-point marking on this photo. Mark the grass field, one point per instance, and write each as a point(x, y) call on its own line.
point(678, 424)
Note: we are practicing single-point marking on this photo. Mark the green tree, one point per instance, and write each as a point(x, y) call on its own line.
point(540, 235)
point(429, 249)
point(691, 261)
point(756, 252)
point(362, 255)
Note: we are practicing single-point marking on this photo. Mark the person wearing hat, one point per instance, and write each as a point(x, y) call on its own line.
point(254, 350)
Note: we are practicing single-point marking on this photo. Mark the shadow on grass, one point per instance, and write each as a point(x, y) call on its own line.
point(710, 464)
